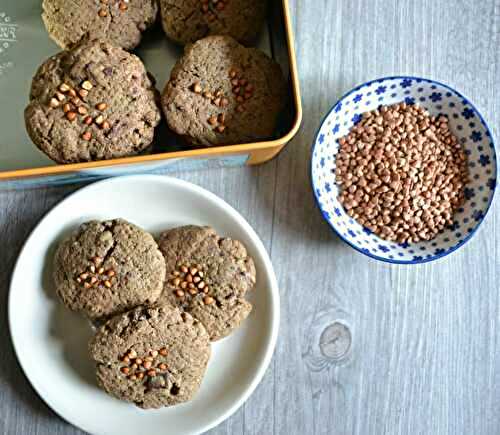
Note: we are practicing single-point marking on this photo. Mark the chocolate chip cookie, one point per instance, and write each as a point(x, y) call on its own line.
point(105, 268)
point(94, 102)
point(207, 276)
point(186, 21)
point(153, 357)
point(120, 22)
point(222, 93)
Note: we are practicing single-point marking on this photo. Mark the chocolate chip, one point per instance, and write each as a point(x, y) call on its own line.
point(175, 390)
point(157, 382)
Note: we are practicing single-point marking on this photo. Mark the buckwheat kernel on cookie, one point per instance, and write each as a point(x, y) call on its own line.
point(207, 276)
point(152, 357)
point(106, 268)
point(120, 22)
point(94, 102)
point(221, 93)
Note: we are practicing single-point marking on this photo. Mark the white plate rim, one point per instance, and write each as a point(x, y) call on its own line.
point(167, 180)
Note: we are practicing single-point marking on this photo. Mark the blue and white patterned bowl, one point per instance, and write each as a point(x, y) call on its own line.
point(465, 122)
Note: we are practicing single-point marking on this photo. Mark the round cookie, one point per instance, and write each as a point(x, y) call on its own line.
point(118, 21)
point(94, 102)
point(106, 268)
point(208, 277)
point(153, 357)
point(186, 21)
point(221, 93)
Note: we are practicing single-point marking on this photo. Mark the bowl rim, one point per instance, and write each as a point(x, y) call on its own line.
point(495, 175)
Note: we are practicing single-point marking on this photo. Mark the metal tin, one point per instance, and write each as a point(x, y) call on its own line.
point(24, 44)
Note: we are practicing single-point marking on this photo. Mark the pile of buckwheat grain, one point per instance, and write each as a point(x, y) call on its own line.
point(401, 173)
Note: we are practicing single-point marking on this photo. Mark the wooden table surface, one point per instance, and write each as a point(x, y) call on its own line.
point(364, 347)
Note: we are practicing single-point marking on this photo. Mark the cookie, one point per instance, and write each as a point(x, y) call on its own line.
point(106, 268)
point(222, 93)
point(207, 276)
point(94, 102)
point(153, 357)
point(121, 22)
point(186, 21)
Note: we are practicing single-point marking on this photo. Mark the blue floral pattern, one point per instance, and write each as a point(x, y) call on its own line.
point(476, 136)
point(405, 83)
point(484, 159)
point(465, 122)
point(435, 97)
point(468, 113)
point(356, 118)
point(357, 98)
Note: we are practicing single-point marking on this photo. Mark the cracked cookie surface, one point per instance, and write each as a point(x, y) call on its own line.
point(186, 21)
point(222, 93)
point(207, 276)
point(106, 268)
point(94, 102)
point(120, 22)
point(153, 357)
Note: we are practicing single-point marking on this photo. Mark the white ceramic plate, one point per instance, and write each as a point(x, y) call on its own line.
point(51, 342)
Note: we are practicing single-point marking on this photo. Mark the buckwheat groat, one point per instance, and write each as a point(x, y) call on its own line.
point(186, 21)
point(105, 268)
point(120, 22)
point(153, 357)
point(94, 102)
point(222, 93)
point(207, 276)
point(402, 173)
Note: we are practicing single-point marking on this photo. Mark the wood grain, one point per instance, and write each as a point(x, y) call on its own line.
point(425, 353)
